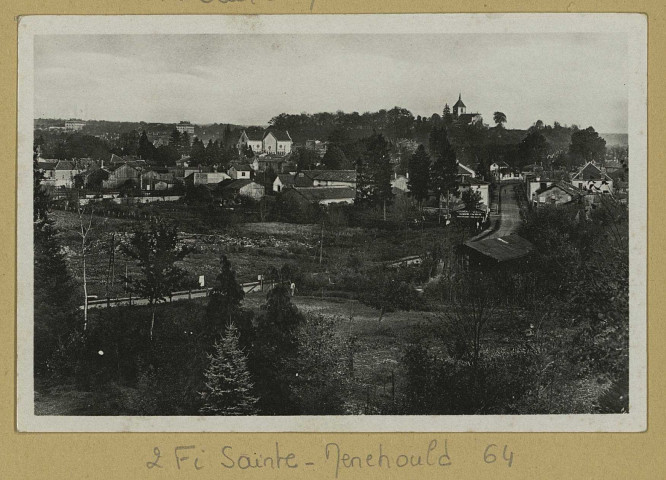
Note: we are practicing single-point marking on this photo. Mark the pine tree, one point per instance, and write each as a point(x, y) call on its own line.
point(225, 301)
point(447, 117)
point(273, 356)
point(378, 161)
point(185, 144)
point(444, 170)
point(363, 184)
point(198, 152)
point(334, 158)
point(174, 139)
point(146, 149)
point(228, 382)
point(419, 175)
point(54, 308)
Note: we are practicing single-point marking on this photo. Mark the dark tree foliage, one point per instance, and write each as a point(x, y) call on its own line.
point(198, 195)
point(533, 148)
point(248, 152)
point(146, 149)
point(128, 143)
point(499, 118)
point(54, 305)
point(334, 158)
point(447, 117)
point(224, 305)
point(174, 138)
point(322, 385)
point(274, 353)
point(583, 263)
point(228, 382)
point(419, 175)
point(587, 145)
point(304, 159)
point(198, 152)
point(444, 171)
point(166, 155)
point(373, 174)
point(388, 293)
point(76, 145)
point(471, 199)
point(156, 251)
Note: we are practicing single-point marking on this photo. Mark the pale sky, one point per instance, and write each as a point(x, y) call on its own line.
point(247, 79)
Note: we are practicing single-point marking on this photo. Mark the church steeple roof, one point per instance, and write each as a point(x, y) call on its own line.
point(459, 103)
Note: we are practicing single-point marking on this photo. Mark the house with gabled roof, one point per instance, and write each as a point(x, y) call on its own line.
point(241, 171)
point(122, 174)
point(332, 178)
point(277, 142)
point(271, 141)
point(233, 189)
point(251, 138)
point(321, 195)
point(479, 186)
point(495, 252)
point(282, 181)
point(559, 193)
point(58, 173)
point(465, 171)
point(592, 179)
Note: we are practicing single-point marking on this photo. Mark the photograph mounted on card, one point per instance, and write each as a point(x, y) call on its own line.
point(327, 223)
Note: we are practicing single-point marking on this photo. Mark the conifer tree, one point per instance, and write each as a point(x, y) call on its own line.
point(54, 308)
point(447, 117)
point(224, 306)
point(198, 152)
point(184, 143)
point(363, 183)
point(273, 356)
point(228, 382)
point(443, 175)
point(334, 158)
point(146, 149)
point(378, 161)
point(174, 139)
point(419, 175)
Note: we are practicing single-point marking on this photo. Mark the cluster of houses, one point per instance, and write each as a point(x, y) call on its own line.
point(558, 187)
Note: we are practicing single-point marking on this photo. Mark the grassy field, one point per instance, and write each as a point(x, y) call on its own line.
point(252, 248)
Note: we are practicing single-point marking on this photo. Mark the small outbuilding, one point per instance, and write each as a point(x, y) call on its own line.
point(494, 252)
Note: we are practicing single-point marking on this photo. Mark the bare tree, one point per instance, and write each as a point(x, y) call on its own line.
point(85, 225)
point(473, 305)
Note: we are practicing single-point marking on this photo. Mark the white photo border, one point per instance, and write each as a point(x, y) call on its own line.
point(635, 25)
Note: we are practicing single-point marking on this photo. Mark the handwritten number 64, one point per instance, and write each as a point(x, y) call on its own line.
point(490, 457)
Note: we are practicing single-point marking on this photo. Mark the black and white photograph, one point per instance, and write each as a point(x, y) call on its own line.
point(332, 223)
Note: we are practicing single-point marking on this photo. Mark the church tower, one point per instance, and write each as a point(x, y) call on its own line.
point(459, 108)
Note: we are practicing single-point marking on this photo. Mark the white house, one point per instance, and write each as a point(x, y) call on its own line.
point(465, 171)
point(206, 178)
point(332, 178)
point(479, 186)
point(591, 179)
point(252, 139)
point(271, 141)
point(241, 172)
point(185, 127)
point(277, 142)
point(282, 181)
point(74, 125)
